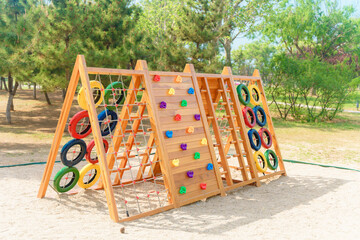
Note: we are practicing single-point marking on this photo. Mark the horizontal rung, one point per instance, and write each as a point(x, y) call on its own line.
point(203, 90)
point(210, 117)
point(216, 144)
point(236, 155)
point(237, 168)
point(224, 172)
point(226, 129)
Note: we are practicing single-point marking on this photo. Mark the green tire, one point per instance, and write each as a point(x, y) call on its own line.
point(243, 99)
point(272, 166)
point(63, 172)
point(108, 95)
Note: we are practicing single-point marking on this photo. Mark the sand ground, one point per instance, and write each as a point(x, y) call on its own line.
point(311, 203)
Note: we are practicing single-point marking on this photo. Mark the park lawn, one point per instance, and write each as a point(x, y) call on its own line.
point(29, 138)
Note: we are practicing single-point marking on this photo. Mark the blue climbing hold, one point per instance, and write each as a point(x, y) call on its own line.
point(169, 134)
point(191, 91)
point(209, 166)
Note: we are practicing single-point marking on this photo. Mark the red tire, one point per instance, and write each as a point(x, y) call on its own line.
point(249, 117)
point(74, 123)
point(89, 148)
point(266, 138)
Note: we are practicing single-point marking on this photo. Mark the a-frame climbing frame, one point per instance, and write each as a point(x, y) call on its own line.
point(177, 153)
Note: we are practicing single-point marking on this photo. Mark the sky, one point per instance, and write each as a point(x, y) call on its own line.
point(241, 40)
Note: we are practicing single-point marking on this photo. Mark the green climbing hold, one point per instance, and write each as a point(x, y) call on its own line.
point(183, 103)
point(197, 155)
point(182, 190)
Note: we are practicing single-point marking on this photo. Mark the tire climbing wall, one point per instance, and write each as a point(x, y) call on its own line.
point(154, 140)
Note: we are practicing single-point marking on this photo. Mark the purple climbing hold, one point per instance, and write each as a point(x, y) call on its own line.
point(163, 104)
point(190, 174)
point(183, 146)
point(197, 117)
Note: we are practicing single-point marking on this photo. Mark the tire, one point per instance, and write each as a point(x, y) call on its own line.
point(95, 174)
point(270, 156)
point(261, 121)
point(74, 122)
point(254, 145)
point(266, 138)
point(63, 172)
point(249, 117)
point(254, 95)
point(262, 165)
point(89, 148)
point(108, 94)
point(107, 130)
point(97, 100)
point(243, 99)
point(72, 162)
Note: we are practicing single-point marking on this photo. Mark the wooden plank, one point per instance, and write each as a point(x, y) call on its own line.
point(148, 213)
point(162, 74)
point(64, 114)
point(111, 71)
point(98, 140)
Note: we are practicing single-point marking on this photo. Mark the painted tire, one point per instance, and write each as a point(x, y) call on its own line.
point(261, 121)
point(249, 117)
point(108, 94)
point(111, 126)
point(94, 175)
point(64, 151)
point(271, 159)
point(244, 98)
point(90, 147)
point(266, 138)
point(59, 176)
point(254, 95)
point(74, 122)
point(260, 161)
point(97, 100)
point(255, 143)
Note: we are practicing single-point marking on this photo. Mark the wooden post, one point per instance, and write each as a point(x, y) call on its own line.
point(59, 130)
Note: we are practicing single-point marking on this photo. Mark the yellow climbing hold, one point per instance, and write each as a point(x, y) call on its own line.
point(203, 141)
point(171, 91)
point(175, 162)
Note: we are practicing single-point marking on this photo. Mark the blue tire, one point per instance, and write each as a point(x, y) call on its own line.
point(255, 140)
point(77, 156)
point(109, 126)
point(260, 116)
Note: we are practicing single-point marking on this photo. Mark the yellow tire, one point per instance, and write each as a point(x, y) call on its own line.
point(260, 162)
point(95, 85)
point(254, 95)
point(89, 175)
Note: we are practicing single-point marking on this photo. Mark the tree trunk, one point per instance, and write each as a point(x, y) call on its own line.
point(10, 103)
point(34, 92)
point(47, 98)
point(6, 88)
point(1, 81)
point(227, 47)
point(63, 94)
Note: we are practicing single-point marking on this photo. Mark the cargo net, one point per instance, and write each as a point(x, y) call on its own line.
point(257, 131)
point(129, 143)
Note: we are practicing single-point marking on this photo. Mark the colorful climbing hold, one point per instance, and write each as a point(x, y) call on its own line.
point(163, 104)
point(190, 129)
point(191, 91)
point(203, 141)
point(197, 155)
point(169, 134)
point(182, 190)
point(156, 78)
point(177, 117)
point(178, 79)
point(171, 91)
point(203, 186)
point(175, 162)
point(183, 103)
point(183, 146)
point(210, 166)
point(190, 174)
point(197, 117)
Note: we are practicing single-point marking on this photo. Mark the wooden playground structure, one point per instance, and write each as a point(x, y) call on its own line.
point(172, 138)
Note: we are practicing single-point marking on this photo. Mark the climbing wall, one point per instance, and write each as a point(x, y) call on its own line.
point(186, 138)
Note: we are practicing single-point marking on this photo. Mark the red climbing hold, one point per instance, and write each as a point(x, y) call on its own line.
point(177, 117)
point(203, 186)
point(156, 78)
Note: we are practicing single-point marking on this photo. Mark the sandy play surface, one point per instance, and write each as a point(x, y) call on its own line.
point(311, 203)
